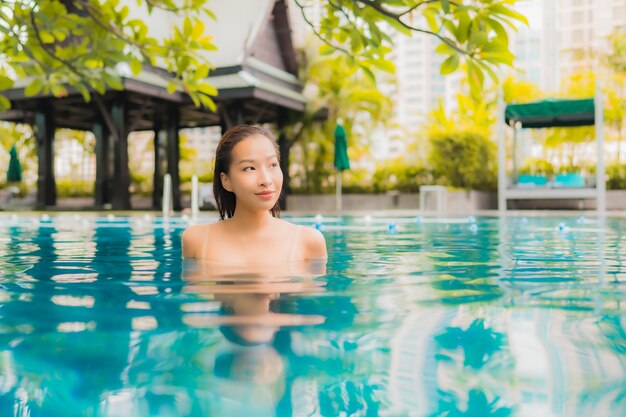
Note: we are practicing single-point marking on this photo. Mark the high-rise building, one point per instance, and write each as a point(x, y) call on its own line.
point(420, 85)
point(536, 46)
point(583, 29)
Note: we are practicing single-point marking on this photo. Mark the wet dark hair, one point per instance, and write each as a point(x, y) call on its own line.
point(226, 201)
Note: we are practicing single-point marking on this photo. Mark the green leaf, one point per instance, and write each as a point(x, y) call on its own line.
point(463, 27)
point(492, 74)
point(46, 37)
point(5, 104)
point(98, 85)
point(445, 4)
point(384, 64)
point(135, 66)
point(326, 49)
point(431, 19)
point(500, 30)
point(34, 87)
point(500, 9)
point(187, 28)
point(171, 88)
point(367, 72)
point(207, 89)
point(210, 14)
point(475, 77)
point(114, 81)
point(198, 30)
point(58, 90)
point(59, 34)
point(93, 63)
point(445, 49)
point(195, 99)
point(5, 82)
point(208, 103)
point(450, 65)
point(84, 91)
point(478, 37)
point(202, 71)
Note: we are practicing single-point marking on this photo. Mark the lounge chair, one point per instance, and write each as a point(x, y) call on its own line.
point(574, 180)
point(528, 180)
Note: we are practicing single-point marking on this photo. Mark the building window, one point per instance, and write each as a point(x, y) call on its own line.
point(577, 36)
point(577, 18)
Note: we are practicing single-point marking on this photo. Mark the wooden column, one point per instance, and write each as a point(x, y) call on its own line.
point(44, 130)
point(103, 164)
point(120, 196)
point(173, 153)
point(159, 161)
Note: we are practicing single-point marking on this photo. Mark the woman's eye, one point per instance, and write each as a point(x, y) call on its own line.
point(274, 164)
point(248, 168)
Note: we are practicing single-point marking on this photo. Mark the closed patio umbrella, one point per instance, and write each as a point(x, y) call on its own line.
point(14, 173)
point(341, 157)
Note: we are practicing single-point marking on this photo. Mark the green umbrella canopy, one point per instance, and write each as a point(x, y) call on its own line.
point(14, 173)
point(552, 113)
point(341, 149)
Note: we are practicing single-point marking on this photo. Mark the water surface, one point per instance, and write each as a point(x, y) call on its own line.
point(519, 316)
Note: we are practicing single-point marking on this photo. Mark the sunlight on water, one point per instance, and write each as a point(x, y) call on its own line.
point(412, 317)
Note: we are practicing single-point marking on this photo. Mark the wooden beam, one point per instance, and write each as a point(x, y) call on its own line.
point(136, 117)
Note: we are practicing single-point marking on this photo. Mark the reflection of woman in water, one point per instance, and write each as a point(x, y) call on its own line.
point(249, 373)
point(247, 184)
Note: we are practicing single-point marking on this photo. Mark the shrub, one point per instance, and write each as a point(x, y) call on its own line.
point(616, 177)
point(535, 166)
point(400, 176)
point(141, 184)
point(356, 181)
point(22, 186)
point(464, 159)
point(74, 188)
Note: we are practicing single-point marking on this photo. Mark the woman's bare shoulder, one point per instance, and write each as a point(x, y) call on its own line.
point(314, 243)
point(193, 238)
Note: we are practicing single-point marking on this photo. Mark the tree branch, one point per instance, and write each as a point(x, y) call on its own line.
point(376, 6)
point(52, 55)
point(316, 33)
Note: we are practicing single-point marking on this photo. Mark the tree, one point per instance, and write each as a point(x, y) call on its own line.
point(86, 44)
point(616, 57)
point(335, 85)
point(471, 32)
point(459, 142)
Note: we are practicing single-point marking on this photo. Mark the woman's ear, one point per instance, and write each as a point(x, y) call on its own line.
point(225, 182)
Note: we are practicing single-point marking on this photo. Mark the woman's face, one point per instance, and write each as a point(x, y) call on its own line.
point(255, 176)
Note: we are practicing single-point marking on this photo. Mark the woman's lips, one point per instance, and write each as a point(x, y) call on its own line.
point(266, 195)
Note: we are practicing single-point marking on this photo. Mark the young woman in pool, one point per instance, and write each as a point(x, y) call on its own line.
point(247, 184)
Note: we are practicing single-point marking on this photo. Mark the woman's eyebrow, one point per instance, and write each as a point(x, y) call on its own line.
point(254, 160)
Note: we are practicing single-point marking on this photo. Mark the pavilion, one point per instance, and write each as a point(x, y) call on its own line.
point(255, 74)
point(551, 113)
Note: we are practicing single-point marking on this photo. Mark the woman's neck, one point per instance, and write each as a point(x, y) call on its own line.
point(249, 220)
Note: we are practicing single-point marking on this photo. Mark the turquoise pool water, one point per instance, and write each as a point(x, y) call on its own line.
point(519, 316)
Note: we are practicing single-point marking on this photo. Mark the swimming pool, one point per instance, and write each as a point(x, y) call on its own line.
point(517, 316)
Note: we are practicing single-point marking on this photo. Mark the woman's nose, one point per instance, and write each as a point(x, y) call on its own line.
point(265, 177)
